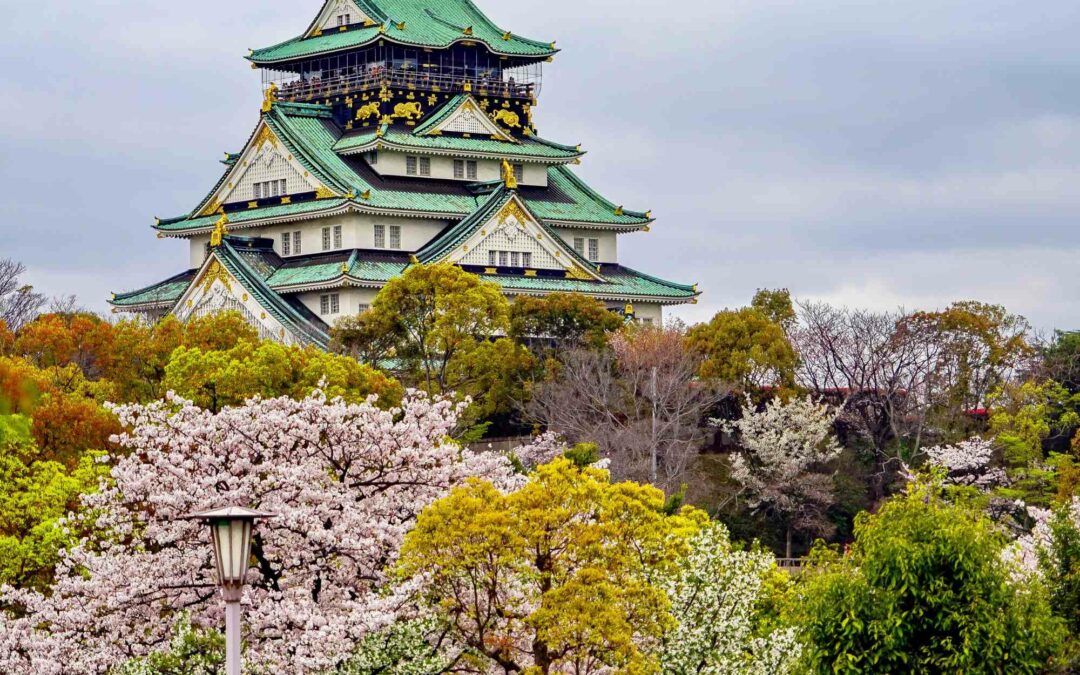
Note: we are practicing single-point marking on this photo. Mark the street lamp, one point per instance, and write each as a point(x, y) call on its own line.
point(231, 529)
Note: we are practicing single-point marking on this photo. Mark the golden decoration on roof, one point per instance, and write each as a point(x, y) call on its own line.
point(468, 30)
point(408, 111)
point(271, 98)
point(619, 211)
point(220, 230)
point(323, 192)
point(575, 271)
point(401, 25)
point(506, 36)
point(508, 176)
point(215, 272)
point(365, 195)
point(507, 117)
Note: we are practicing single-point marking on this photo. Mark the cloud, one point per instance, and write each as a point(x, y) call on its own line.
point(878, 154)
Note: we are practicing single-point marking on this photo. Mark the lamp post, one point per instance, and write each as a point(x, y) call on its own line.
point(230, 529)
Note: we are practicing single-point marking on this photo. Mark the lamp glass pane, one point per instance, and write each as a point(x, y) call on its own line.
point(223, 537)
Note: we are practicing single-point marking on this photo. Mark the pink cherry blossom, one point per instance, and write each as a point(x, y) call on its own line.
point(346, 482)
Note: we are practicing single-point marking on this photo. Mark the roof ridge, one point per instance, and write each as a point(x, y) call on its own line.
point(658, 280)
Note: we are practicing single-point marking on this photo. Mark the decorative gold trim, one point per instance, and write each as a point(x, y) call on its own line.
point(215, 272)
point(508, 176)
point(323, 192)
point(286, 200)
point(619, 211)
point(490, 270)
point(530, 273)
point(270, 98)
point(576, 272)
point(218, 235)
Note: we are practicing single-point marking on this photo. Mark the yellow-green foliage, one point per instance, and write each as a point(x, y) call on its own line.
point(556, 573)
point(214, 379)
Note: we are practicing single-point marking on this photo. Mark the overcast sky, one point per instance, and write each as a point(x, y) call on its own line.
point(875, 154)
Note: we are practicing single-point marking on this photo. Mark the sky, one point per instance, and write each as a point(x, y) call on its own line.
point(870, 154)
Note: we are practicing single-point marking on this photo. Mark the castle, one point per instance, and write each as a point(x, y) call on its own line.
point(396, 133)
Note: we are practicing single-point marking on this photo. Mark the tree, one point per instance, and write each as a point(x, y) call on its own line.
point(563, 320)
point(215, 379)
point(776, 306)
point(554, 576)
point(18, 302)
point(924, 589)
point(786, 447)
point(744, 348)
point(1059, 564)
point(58, 340)
point(878, 370)
point(345, 480)
point(640, 402)
point(436, 323)
point(716, 594)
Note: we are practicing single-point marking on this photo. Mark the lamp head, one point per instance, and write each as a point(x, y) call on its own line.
point(230, 529)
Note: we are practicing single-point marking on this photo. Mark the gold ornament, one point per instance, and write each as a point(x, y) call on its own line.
point(508, 176)
point(408, 111)
point(507, 117)
point(270, 98)
point(218, 235)
point(365, 112)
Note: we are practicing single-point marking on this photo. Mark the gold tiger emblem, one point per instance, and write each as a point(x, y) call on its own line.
point(507, 117)
point(408, 111)
point(366, 112)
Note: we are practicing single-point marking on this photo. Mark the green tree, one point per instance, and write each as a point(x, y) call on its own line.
point(776, 306)
point(34, 495)
point(564, 318)
point(440, 329)
point(744, 348)
point(924, 589)
point(214, 379)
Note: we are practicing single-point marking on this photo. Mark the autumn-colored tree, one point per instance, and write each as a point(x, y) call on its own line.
point(7, 339)
point(744, 348)
point(554, 576)
point(21, 386)
point(562, 319)
point(58, 340)
point(214, 379)
point(65, 426)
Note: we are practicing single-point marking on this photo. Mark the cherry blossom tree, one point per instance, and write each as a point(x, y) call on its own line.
point(714, 594)
point(345, 480)
point(967, 463)
point(784, 449)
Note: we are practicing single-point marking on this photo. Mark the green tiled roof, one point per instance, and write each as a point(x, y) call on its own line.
point(425, 23)
point(451, 238)
point(311, 135)
point(376, 267)
point(240, 217)
point(163, 293)
point(293, 315)
point(619, 282)
point(578, 202)
point(533, 148)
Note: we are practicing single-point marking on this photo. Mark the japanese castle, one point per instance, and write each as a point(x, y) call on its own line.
point(397, 133)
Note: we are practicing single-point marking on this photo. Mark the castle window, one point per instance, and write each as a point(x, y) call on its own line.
point(503, 255)
point(395, 236)
point(380, 236)
point(296, 242)
point(425, 166)
point(594, 250)
point(410, 165)
point(373, 158)
point(337, 236)
point(285, 240)
point(519, 172)
point(326, 239)
point(579, 245)
point(459, 169)
point(470, 170)
point(330, 304)
point(526, 259)
point(515, 259)
point(270, 188)
point(362, 308)
point(493, 258)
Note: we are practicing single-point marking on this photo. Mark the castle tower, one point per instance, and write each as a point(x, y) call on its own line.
point(395, 133)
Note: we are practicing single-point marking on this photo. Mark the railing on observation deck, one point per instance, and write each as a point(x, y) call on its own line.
point(347, 81)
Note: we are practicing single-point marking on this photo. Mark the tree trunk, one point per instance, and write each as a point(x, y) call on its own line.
point(787, 546)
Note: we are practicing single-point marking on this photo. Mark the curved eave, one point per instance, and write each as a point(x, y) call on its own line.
point(591, 225)
point(614, 297)
point(341, 281)
point(255, 59)
point(382, 143)
point(347, 207)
